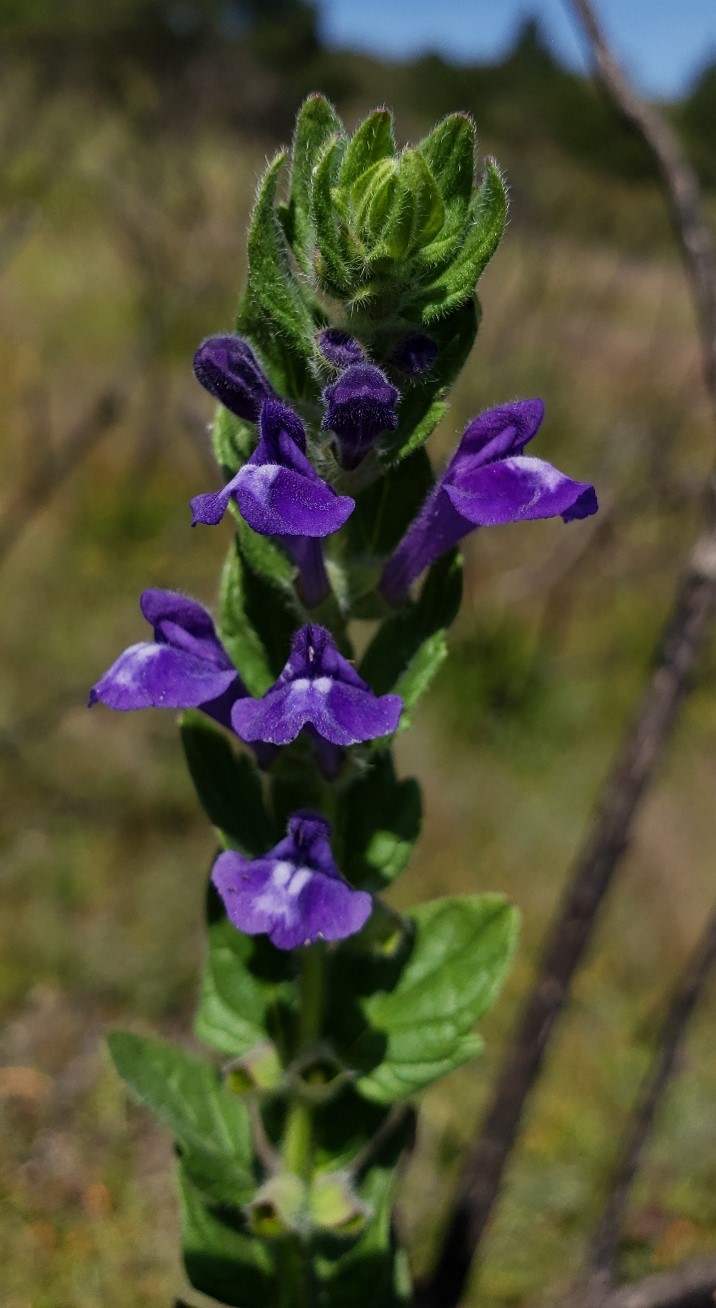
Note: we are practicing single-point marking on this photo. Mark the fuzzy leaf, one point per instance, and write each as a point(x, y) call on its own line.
point(232, 440)
point(221, 1259)
point(244, 981)
point(274, 288)
point(379, 821)
point(335, 260)
point(449, 151)
point(458, 961)
point(186, 1094)
point(456, 284)
point(256, 614)
point(410, 645)
point(316, 123)
point(372, 141)
point(227, 784)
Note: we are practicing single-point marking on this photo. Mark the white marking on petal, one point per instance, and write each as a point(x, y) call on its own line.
point(301, 878)
point(301, 684)
point(282, 873)
point(549, 477)
point(323, 684)
point(263, 473)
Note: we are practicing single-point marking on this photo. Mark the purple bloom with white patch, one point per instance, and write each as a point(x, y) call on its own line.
point(278, 492)
point(340, 348)
point(488, 481)
point(228, 369)
point(321, 689)
point(294, 893)
point(360, 405)
point(185, 666)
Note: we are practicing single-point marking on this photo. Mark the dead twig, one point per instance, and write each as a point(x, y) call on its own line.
point(605, 1245)
point(650, 729)
point(691, 1286)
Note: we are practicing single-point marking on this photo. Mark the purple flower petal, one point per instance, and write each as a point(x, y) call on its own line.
point(185, 667)
point(279, 492)
point(210, 508)
point(488, 481)
point(339, 348)
point(227, 367)
point(360, 405)
point(318, 686)
point(158, 676)
point(294, 893)
point(184, 623)
point(496, 435)
point(278, 501)
point(517, 489)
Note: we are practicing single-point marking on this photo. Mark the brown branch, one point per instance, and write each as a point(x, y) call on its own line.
point(691, 1286)
point(684, 636)
point(605, 1246)
point(104, 413)
point(681, 186)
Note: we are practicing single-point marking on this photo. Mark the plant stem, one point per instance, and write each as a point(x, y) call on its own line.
point(297, 1150)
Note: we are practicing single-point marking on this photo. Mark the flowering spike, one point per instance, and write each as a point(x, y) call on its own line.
point(228, 369)
point(318, 686)
point(294, 893)
point(360, 405)
point(488, 481)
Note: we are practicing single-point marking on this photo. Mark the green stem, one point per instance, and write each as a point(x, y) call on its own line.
point(297, 1143)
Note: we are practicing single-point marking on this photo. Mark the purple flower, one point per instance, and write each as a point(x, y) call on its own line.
point(318, 687)
point(185, 666)
point(227, 367)
point(278, 492)
point(488, 481)
point(295, 893)
point(339, 348)
point(415, 354)
point(360, 405)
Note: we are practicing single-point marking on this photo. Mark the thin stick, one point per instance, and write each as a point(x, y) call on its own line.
point(691, 1286)
point(684, 637)
point(605, 1246)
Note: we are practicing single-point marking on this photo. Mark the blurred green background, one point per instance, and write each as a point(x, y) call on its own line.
point(132, 135)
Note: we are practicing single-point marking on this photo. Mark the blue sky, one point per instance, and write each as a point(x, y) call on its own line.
point(661, 42)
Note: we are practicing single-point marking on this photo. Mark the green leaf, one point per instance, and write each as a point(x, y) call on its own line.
point(316, 123)
point(418, 213)
point(232, 441)
point(274, 288)
point(449, 151)
point(372, 141)
point(228, 785)
point(384, 510)
point(336, 260)
point(186, 1094)
point(246, 984)
point(410, 645)
point(378, 823)
point(374, 1269)
point(221, 1260)
point(422, 404)
point(456, 284)
point(456, 966)
point(257, 616)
